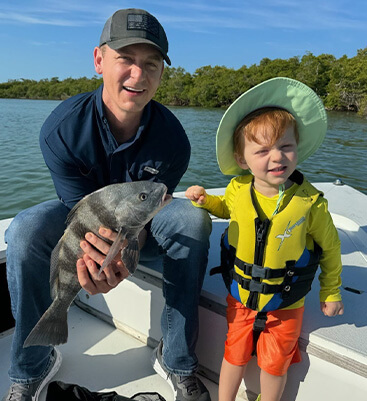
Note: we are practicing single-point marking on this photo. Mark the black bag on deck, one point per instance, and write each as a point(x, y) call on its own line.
point(59, 391)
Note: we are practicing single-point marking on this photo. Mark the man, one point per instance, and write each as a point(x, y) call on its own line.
point(114, 134)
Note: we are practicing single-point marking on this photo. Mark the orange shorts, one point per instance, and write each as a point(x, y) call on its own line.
point(277, 346)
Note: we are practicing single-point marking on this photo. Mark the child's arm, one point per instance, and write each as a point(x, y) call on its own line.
point(332, 308)
point(324, 233)
point(214, 204)
point(218, 205)
point(196, 194)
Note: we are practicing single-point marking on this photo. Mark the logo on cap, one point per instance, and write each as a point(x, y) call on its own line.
point(141, 22)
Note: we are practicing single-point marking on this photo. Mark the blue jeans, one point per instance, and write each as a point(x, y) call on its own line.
point(179, 230)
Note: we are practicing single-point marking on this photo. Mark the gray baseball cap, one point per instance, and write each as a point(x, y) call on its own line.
point(131, 26)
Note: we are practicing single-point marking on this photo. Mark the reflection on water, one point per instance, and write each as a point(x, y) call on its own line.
point(25, 181)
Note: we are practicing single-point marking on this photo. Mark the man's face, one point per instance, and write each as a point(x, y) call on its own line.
point(131, 76)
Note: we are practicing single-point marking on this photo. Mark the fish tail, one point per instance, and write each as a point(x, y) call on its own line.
point(51, 329)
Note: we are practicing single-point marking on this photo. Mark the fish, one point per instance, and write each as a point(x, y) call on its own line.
point(125, 208)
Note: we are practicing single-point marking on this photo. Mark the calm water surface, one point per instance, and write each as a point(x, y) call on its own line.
point(25, 181)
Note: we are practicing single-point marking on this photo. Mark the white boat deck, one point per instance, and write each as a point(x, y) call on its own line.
point(334, 350)
point(101, 358)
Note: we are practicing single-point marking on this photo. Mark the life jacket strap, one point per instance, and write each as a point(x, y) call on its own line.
point(257, 328)
point(285, 287)
point(255, 270)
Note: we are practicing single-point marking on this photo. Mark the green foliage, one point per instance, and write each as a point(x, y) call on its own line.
point(342, 83)
point(347, 89)
point(47, 88)
point(174, 87)
point(315, 72)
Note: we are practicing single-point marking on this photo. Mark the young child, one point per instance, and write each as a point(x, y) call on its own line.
point(279, 223)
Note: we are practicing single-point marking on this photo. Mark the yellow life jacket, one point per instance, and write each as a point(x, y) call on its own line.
point(270, 264)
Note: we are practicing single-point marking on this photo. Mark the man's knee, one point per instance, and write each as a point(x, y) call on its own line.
point(21, 229)
point(43, 222)
point(200, 221)
point(182, 230)
point(188, 219)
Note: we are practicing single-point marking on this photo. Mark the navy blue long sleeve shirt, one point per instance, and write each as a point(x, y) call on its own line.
point(83, 155)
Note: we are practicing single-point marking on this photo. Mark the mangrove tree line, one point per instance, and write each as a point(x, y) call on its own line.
point(341, 83)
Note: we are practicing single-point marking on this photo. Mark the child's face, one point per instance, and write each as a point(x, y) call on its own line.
point(270, 165)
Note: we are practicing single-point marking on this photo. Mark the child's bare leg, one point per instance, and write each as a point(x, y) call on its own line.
point(229, 380)
point(272, 387)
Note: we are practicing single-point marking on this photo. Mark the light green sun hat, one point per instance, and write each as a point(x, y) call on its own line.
point(286, 93)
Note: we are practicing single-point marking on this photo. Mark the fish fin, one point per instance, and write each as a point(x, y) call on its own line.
point(115, 248)
point(130, 255)
point(51, 329)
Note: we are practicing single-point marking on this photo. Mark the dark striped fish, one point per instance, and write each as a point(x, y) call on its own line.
point(125, 208)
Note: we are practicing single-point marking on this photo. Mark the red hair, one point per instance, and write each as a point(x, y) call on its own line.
point(263, 125)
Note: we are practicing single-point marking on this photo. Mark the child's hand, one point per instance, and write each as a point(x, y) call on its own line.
point(196, 194)
point(332, 308)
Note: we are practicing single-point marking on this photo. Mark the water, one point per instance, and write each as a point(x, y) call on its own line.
point(25, 180)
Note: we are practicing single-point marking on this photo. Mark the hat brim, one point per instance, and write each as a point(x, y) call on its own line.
point(119, 43)
point(295, 97)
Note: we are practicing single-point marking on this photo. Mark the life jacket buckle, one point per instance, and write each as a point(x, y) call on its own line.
point(260, 322)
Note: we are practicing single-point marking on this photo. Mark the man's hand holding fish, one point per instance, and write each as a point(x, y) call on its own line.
point(89, 272)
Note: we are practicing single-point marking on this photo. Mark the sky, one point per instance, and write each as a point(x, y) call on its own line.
point(41, 39)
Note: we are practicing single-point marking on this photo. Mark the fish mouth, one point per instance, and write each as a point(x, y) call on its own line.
point(166, 198)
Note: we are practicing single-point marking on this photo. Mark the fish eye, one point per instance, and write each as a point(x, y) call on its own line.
point(143, 196)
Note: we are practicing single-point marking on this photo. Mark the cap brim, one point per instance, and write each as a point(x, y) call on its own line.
point(294, 96)
point(119, 43)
